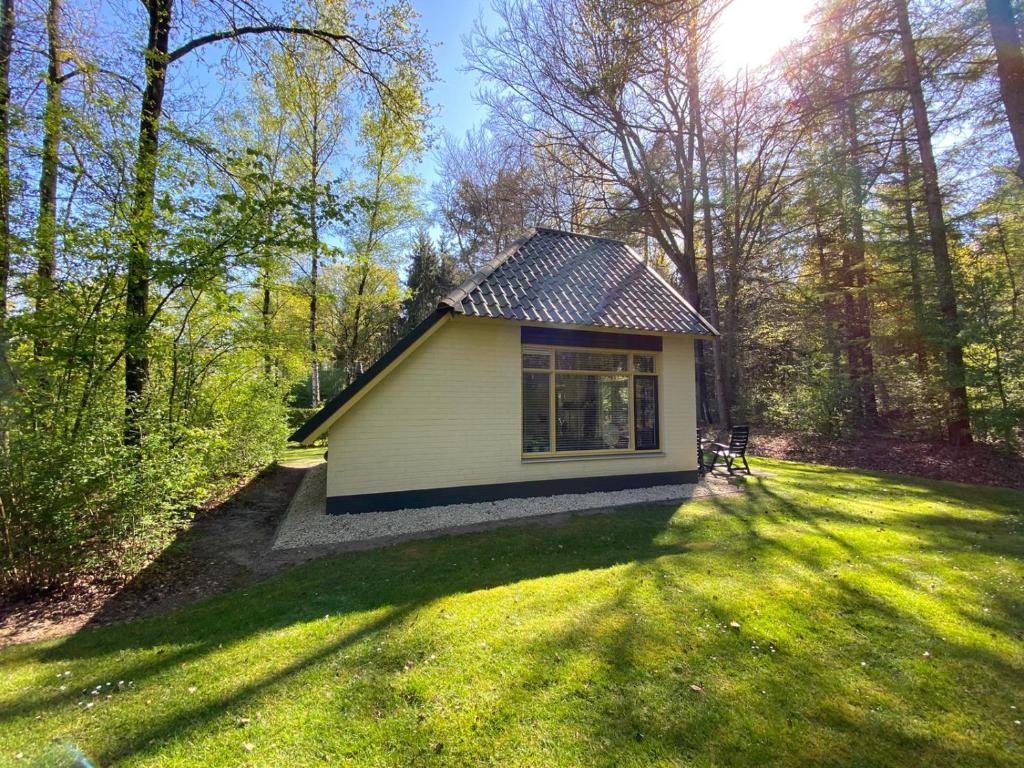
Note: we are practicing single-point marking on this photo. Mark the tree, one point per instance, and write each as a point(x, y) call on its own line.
point(711, 274)
point(392, 135)
point(485, 197)
point(46, 227)
point(1006, 36)
point(958, 425)
point(355, 51)
point(7, 20)
point(310, 84)
point(432, 275)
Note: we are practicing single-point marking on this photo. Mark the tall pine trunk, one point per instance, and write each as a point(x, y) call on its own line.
point(691, 289)
point(854, 262)
point(6, 44)
point(46, 225)
point(958, 424)
point(718, 359)
point(913, 253)
point(1006, 37)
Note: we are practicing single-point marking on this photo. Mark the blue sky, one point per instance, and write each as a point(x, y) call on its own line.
point(750, 33)
point(445, 23)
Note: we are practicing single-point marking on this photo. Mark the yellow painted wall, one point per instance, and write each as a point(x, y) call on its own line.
point(450, 415)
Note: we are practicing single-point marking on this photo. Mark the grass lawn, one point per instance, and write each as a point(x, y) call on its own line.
point(301, 455)
point(881, 622)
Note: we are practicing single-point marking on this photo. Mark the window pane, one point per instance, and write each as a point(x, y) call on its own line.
point(592, 412)
point(536, 413)
point(536, 358)
point(645, 412)
point(643, 363)
point(591, 361)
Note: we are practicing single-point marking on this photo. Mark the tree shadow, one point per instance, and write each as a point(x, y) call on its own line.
point(403, 577)
point(634, 689)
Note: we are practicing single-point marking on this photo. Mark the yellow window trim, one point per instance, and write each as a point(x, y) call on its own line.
point(552, 368)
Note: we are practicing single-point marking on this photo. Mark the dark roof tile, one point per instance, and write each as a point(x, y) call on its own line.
point(552, 276)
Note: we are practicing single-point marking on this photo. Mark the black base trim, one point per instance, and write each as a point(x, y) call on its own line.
point(470, 494)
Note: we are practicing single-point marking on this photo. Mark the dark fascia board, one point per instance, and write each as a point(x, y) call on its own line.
point(339, 400)
point(570, 337)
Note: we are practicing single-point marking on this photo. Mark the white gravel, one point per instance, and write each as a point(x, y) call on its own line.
point(308, 525)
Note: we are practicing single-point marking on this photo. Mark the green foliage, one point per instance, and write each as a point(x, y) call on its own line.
point(77, 501)
point(991, 274)
point(815, 399)
point(432, 274)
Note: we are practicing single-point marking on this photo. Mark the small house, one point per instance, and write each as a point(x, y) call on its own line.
point(565, 365)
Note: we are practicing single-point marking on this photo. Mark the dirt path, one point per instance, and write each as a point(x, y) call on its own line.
point(227, 547)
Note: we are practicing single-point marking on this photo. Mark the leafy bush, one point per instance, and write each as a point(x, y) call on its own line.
point(814, 400)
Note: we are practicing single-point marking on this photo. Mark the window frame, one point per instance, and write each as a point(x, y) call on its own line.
point(554, 371)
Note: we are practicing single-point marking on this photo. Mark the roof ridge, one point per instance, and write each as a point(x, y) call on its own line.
point(456, 295)
point(555, 231)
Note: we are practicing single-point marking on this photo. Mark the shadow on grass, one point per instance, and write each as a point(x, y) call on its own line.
point(638, 689)
point(408, 576)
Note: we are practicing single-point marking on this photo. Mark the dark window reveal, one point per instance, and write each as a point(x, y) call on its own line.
point(645, 412)
point(536, 412)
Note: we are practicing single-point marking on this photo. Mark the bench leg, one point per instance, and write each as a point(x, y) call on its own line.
point(745, 465)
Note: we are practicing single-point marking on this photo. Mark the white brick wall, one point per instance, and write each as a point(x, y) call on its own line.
point(449, 415)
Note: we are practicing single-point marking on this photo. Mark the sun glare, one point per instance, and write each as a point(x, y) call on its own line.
point(751, 31)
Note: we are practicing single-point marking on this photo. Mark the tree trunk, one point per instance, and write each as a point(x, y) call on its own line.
point(46, 227)
point(718, 359)
point(854, 264)
point(314, 266)
point(828, 305)
point(913, 262)
point(1006, 37)
point(136, 360)
point(357, 319)
point(6, 41)
point(265, 317)
point(958, 425)
point(691, 289)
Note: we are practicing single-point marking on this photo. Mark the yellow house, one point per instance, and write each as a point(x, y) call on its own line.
point(565, 365)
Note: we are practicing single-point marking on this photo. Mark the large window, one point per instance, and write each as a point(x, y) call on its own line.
point(589, 401)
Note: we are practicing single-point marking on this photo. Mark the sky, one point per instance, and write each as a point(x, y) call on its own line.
point(446, 23)
point(751, 32)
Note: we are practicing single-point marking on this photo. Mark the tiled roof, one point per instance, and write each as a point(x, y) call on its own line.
point(552, 276)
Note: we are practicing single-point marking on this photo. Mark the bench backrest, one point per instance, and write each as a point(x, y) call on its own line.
point(738, 437)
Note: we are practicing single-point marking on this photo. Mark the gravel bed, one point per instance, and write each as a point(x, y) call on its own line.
point(308, 525)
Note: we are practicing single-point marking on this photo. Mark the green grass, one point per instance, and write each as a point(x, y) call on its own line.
point(293, 454)
point(581, 645)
